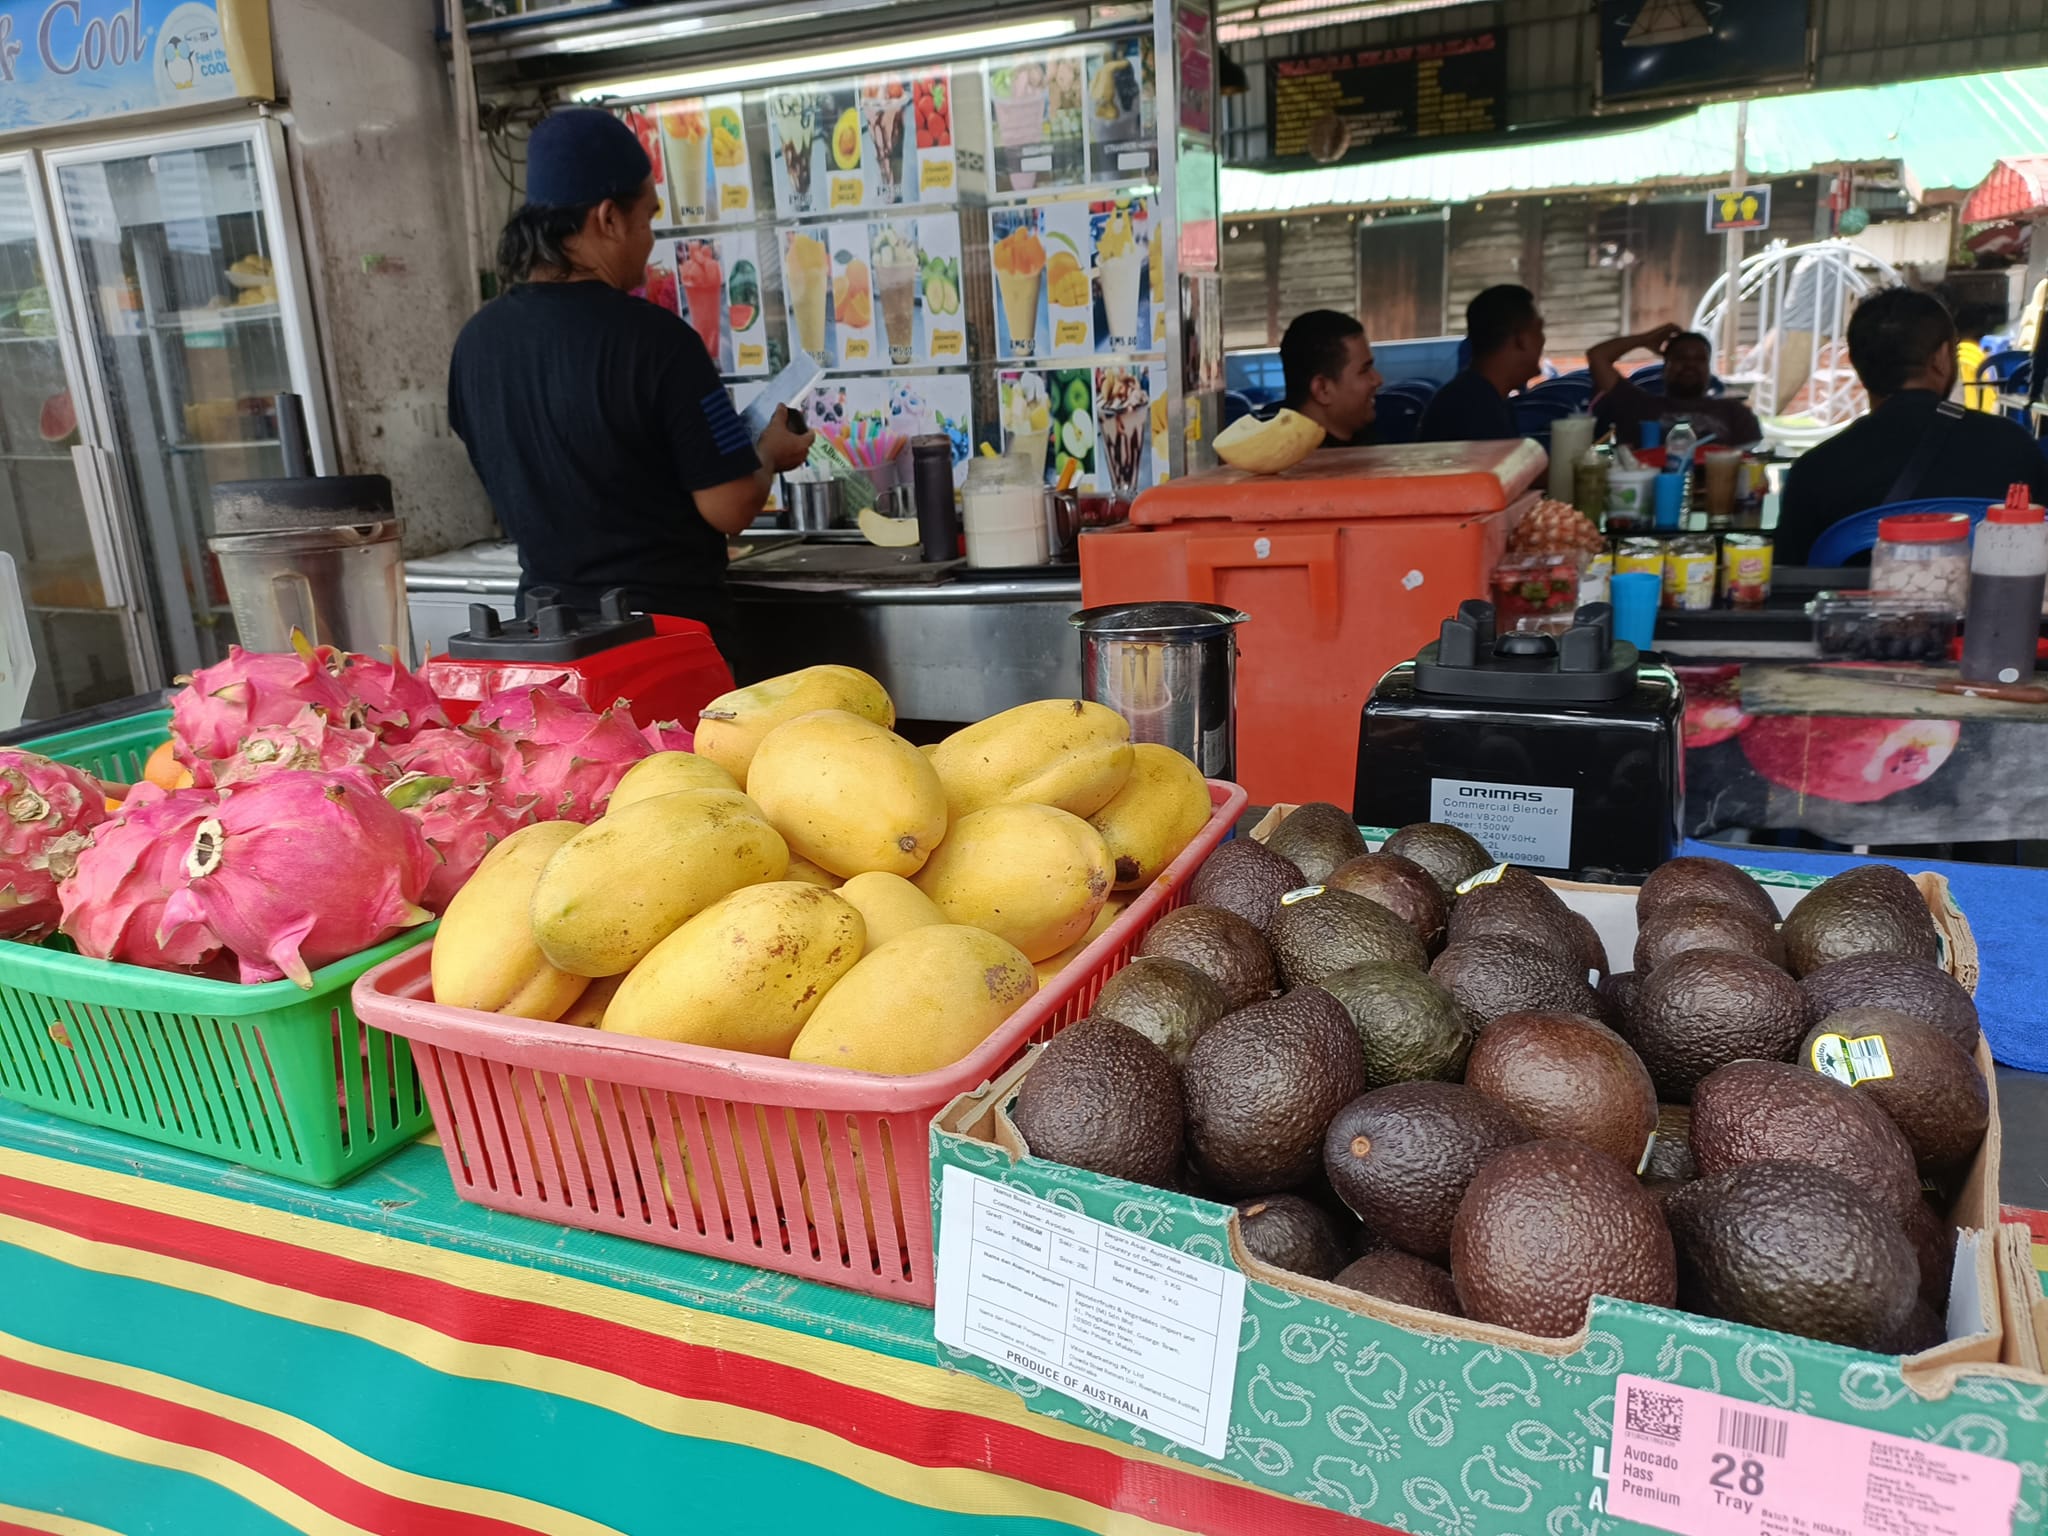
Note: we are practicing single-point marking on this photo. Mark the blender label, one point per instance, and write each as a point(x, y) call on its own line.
point(1520, 823)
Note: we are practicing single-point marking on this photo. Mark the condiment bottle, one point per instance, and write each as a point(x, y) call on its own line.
point(2008, 570)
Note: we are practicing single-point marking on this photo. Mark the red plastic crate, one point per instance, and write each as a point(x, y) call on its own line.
point(813, 1171)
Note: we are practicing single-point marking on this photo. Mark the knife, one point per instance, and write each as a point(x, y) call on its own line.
point(787, 389)
point(1934, 682)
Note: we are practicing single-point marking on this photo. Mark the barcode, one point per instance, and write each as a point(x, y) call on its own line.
point(1656, 1414)
point(1754, 1433)
point(1868, 1058)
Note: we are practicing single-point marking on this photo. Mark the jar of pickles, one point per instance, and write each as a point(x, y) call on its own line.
point(1923, 555)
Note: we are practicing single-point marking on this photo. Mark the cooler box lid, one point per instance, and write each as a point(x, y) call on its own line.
point(1334, 484)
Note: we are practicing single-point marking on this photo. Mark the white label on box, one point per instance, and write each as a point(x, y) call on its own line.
point(1518, 823)
point(1143, 1332)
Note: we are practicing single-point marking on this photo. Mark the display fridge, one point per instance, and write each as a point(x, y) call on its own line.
point(153, 303)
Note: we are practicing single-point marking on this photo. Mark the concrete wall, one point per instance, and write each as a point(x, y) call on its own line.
point(380, 211)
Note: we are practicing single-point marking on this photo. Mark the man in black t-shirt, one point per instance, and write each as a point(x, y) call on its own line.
point(1331, 377)
point(1507, 338)
point(612, 453)
point(1909, 448)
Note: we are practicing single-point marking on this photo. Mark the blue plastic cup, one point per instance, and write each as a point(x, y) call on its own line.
point(1670, 499)
point(1635, 595)
point(1649, 434)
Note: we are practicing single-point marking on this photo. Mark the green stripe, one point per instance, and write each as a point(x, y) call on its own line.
point(54, 1475)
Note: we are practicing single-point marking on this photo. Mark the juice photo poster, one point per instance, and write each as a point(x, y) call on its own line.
point(1123, 109)
point(1036, 133)
point(1121, 235)
point(718, 278)
point(909, 155)
point(815, 149)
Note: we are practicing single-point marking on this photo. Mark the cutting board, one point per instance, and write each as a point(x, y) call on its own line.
point(1769, 689)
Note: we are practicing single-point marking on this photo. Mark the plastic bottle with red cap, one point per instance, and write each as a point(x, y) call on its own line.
point(2008, 571)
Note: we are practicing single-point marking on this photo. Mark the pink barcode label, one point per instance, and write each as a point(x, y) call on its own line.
point(1698, 1464)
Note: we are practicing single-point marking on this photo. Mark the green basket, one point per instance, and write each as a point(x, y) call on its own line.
point(271, 1076)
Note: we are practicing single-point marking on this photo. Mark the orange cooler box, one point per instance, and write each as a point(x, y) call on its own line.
point(1347, 564)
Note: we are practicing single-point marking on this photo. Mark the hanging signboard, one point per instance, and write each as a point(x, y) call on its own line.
point(1730, 212)
point(69, 61)
point(1667, 52)
point(1327, 105)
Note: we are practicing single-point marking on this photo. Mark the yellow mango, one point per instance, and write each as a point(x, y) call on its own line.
point(848, 794)
point(628, 880)
point(1031, 874)
point(1157, 813)
point(731, 727)
point(485, 955)
point(1050, 967)
point(1060, 752)
point(918, 1003)
point(588, 1011)
point(890, 905)
point(803, 870)
point(666, 773)
point(1268, 447)
point(744, 974)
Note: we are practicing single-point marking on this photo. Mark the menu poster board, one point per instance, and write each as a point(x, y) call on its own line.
point(1123, 110)
point(1035, 107)
point(1120, 234)
point(1196, 45)
point(815, 144)
point(1366, 97)
point(1733, 47)
point(685, 129)
point(909, 155)
point(1123, 426)
point(719, 280)
point(1071, 394)
point(807, 289)
point(883, 412)
point(732, 171)
point(853, 341)
point(931, 113)
point(1069, 264)
point(1017, 251)
point(647, 130)
point(942, 325)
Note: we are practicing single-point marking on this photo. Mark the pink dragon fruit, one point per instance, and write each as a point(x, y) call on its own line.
point(512, 709)
point(114, 903)
point(571, 760)
point(222, 704)
point(462, 754)
point(309, 740)
point(388, 699)
point(461, 822)
point(50, 811)
point(670, 736)
point(298, 870)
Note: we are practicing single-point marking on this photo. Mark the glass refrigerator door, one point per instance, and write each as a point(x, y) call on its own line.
point(191, 307)
point(81, 640)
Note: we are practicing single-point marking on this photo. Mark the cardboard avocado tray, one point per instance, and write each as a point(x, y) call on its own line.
point(1420, 1422)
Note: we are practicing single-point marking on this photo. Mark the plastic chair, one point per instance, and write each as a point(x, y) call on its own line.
point(1534, 413)
point(1236, 405)
point(1856, 534)
point(1650, 378)
point(1577, 390)
point(1397, 416)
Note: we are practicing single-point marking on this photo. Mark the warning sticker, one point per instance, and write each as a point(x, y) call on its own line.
point(1521, 823)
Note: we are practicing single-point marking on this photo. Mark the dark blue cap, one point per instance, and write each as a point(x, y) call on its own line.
point(580, 156)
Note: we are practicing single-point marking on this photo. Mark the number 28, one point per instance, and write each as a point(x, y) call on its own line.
point(1750, 1482)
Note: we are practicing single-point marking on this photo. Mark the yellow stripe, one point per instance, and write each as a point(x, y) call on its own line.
point(56, 1525)
point(961, 1490)
point(317, 1443)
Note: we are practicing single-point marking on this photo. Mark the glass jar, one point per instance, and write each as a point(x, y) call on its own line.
point(1924, 556)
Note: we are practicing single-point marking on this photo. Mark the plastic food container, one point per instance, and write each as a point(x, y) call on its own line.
point(1924, 556)
point(1875, 626)
point(1537, 584)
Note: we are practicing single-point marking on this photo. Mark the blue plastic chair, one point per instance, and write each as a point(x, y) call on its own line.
point(1236, 406)
point(1397, 416)
point(1577, 390)
point(1856, 534)
point(1650, 378)
point(1415, 389)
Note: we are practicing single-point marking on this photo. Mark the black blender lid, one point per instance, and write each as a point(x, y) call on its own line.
point(549, 630)
point(1584, 665)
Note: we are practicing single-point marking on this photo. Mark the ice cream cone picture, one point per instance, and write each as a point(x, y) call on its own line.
point(1020, 275)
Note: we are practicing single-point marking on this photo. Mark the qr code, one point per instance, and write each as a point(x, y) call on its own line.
point(1656, 1415)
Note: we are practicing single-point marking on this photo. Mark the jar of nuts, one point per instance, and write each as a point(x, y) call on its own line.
point(1923, 555)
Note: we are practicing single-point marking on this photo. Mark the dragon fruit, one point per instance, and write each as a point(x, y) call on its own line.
point(309, 740)
point(50, 811)
point(512, 709)
point(298, 870)
point(461, 822)
point(670, 736)
point(222, 704)
point(571, 760)
point(388, 699)
point(114, 903)
point(461, 754)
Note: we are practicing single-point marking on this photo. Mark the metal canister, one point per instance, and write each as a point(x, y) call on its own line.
point(1640, 555)
point(1745, 570)
point(1689, 572)
point(1171, 670)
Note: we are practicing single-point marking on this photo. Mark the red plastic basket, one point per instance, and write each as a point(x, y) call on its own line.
point(813, 1171)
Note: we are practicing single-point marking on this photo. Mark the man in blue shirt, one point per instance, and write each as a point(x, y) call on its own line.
point(1507, 338)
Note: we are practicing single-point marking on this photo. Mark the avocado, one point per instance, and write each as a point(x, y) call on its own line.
point(1619, 990)
point(1931, 1089)
point(1399, 1277)
point(1221, 945)
point(1316, 838)
point(1401, 1157)
point(1246, 877)
point(1520, 906)
point(1923, 1329)
point(1689, 880)
point(1450, 854)
point(1331, 931)
point(1670, 1159)
point(1169, 1002)
point(1566, 1076)
point(1400, 885)
point(1497, 974)
point(1774, 1111)
point(1677, 927)
point(1410, 1028)
point(1261, 1084)
point(1547, 1226)
point(1911, 986)
point(1589, 946)
point(1104, 1098)
point(1289, 1233)
point(1707, 1007)
point(1933, 1237)
point(1799, 1249)
point(1872, 908)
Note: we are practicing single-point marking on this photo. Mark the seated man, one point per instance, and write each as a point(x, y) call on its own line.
point(1914, 444)
point(1688, 374)
point(1506, 334)
point(1328, 366)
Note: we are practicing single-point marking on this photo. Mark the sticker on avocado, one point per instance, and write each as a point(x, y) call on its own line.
point(1861, 1060)
point(1303, 894)
point(1484, 877)
point(1521, 823)
point(1649, 1151)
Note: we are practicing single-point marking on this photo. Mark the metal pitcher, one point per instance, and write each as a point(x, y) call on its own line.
point(1171, 670)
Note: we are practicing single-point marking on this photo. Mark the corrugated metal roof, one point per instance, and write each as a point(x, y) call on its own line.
point(1949, 133)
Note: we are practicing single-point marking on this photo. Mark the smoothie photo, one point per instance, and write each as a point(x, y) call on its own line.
point(807, 277)
point(1119, 264)
point(684, 129)
point(883, 104)
point(1123, 416)
point(1020, 272)
point(795, 115)
point(703, 284)
point(1027, 419)
point(1020, 105)
point(895, 258)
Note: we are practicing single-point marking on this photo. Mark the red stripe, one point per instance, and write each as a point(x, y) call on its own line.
point(930, 1437)
point(2035, 1221)
point(290, 1468)
point(9, 1528)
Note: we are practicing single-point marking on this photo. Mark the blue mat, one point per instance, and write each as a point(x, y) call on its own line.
point(2008, 912)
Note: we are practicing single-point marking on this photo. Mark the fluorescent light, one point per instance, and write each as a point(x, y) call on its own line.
point(843, 61)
